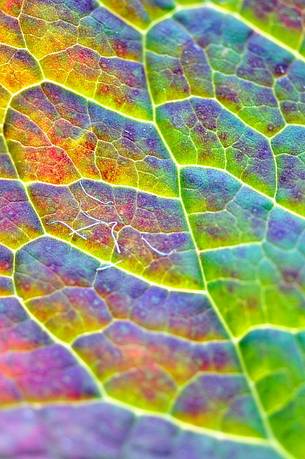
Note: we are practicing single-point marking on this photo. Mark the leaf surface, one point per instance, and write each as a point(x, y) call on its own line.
point(152, 229)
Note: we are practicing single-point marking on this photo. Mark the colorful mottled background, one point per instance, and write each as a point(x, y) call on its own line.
point(152, 229)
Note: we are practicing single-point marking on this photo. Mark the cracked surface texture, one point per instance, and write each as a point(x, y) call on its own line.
point(152, 229)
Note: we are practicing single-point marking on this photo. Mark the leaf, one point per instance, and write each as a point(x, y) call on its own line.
point(152, 229)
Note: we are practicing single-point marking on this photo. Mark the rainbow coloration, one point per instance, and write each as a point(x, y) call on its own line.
point(152, 229)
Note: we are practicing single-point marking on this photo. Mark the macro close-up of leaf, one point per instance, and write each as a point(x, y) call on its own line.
point(152, 229)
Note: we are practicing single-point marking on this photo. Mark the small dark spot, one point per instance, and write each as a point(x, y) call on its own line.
point(290, 276)
point(280, 69)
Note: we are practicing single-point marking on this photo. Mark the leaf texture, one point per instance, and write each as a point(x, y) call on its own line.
point(152, 229)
